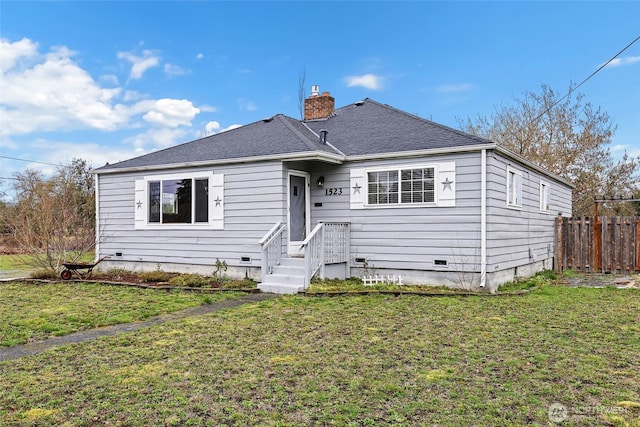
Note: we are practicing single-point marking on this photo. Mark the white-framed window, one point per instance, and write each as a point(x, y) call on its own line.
point(545, 196)
point(401, 186)
point(187, 200)
point(178, 201)
point(514, 188)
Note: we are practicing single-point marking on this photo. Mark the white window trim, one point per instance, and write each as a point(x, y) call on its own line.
point(211, 224)
point(545, 185)
point(399, 168)
point(511, 171)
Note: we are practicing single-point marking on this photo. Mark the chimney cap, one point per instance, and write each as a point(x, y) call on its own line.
point(315, 90)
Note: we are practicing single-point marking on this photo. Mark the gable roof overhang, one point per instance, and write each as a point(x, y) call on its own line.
point(510, 154)
point(338, 159)
point(456, 150)
point(320, 156)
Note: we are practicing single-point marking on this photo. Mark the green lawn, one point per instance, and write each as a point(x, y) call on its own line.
point(31, 311)
point(23, 264)
point(13, 262)
point(374, 360)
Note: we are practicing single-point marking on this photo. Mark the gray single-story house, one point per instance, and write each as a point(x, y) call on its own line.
point(365, 189)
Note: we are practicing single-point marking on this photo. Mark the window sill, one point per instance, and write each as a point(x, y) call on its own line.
point(214, 225)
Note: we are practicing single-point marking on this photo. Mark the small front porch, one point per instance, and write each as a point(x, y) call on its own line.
point(325, 249)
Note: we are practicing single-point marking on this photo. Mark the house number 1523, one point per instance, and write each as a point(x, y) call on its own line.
point(333, 191)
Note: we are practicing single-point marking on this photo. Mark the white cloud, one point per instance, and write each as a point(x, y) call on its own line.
point(230, 127)
point(619, 147)
point(623, 61)
point(155, 138)
point(213, 127)
point(199, 56)
point(11, 53)
point(110, 79)
point(207, 109)
point(369, 81)
point(132, 95)
point(171, 113)
point(140, 64)
point(174, 70)
point(246, 105)
point(61, 152)
point(54, 93)
point(454, 88)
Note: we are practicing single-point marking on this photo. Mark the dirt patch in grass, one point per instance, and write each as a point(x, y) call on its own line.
point(599, 280)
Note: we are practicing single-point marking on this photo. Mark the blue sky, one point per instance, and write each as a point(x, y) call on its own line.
point(106, 81)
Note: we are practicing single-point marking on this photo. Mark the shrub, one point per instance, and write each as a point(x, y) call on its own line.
point(44, 273)
point(189, 281)
point(238, 284)
point(112, 273)
point(156, 276)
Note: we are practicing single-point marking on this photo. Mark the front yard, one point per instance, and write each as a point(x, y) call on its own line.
point(355, 360)
point(31, 312)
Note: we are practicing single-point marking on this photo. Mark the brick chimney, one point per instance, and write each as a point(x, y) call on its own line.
point(318, 106)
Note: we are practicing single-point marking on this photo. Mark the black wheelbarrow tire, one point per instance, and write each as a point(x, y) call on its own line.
point(66, 274)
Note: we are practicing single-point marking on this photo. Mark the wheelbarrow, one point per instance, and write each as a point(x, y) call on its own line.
point(78, 269)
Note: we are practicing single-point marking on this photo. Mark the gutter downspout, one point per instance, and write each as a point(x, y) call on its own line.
point(97, 225)
point(483, 219)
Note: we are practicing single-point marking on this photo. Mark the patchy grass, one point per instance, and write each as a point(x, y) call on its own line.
point(13, 262)
point(543, 278)
point(350, 361)
point(31, 312)
point(355, 284)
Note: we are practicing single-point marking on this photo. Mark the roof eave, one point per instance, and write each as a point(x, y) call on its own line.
point(462, 149)
point(308, 155)
point(508, 153)
point(421, 153)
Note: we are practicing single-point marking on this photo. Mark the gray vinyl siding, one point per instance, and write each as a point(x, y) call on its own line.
point(407, 237)
point(517, 237)
point(253, 202)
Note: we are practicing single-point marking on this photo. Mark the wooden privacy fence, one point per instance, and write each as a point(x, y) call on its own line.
point(600, 245)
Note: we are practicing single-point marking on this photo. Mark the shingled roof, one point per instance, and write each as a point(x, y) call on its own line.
point(368, 127)
point(363, 128)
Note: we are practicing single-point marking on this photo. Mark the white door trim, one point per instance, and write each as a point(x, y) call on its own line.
point(294, 247)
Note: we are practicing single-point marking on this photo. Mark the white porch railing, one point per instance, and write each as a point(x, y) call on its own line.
point(272, 248)
point(328, 243)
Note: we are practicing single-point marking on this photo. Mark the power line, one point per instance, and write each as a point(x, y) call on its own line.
point(30, 161)
point(585, 80)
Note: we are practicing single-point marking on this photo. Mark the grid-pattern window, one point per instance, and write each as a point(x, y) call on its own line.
point(383, 187)
point(417, 185)
point(401, 186)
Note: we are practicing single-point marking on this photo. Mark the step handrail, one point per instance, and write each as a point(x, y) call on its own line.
point(313, 247)
point(270, 233)
point(272, 252)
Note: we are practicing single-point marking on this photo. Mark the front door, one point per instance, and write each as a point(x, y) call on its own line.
point(299, 218)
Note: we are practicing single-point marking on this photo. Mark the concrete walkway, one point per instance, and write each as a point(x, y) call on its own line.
point(18, 351)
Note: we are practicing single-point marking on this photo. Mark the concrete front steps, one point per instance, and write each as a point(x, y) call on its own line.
point(286, 278)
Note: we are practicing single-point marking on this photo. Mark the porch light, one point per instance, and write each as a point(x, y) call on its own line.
point(320, 182)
